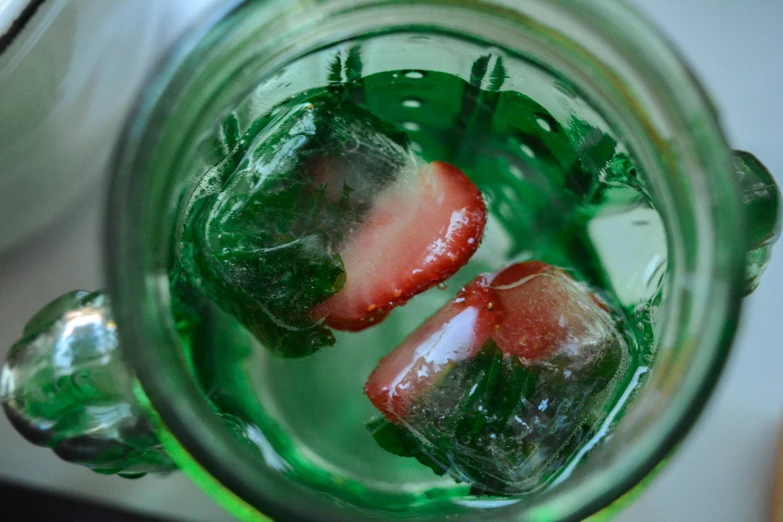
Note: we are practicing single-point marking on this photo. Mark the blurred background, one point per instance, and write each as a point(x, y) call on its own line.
point(50, 241)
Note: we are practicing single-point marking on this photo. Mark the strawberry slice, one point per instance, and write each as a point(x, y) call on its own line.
point(419, 232)
point(548, 313)
point(456, 332)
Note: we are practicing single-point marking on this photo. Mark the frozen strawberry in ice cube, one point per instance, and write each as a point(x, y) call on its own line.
point(498, 388)
point(456, 332)
point(548, 313)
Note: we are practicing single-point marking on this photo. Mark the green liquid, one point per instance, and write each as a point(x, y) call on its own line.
point(560, 190)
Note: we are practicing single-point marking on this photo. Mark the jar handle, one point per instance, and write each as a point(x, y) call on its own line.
point(65, 386)
point(762, 200)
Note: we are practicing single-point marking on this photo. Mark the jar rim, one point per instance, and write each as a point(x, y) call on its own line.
point(135, 291)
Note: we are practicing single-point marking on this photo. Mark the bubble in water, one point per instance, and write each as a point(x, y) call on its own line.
point(442, 286)
point(411, 103)
point(510, 193)
point(412, 126)
point(351, 145)
point(544, 124)
point(506, 211)
point(414, 75)
point(516, 171)
point(527, 150)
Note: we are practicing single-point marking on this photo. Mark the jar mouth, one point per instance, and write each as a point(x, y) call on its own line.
point(622, 65)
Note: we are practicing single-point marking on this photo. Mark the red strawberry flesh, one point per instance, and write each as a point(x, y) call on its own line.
point(456, 332)
point(420, 231)
point(546, 312)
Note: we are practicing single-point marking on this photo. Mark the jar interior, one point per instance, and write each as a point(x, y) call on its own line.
point(566, 180)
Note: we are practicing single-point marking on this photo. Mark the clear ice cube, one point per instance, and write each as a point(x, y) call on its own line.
point(501, 422)
point(261, 240)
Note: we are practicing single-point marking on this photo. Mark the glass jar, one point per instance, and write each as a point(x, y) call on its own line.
point(719, 217)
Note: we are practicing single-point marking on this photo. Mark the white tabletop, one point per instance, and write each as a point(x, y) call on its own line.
point(722, 472)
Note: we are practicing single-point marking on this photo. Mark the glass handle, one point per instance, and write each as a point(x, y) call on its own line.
point(762, 200)
point(65, 386)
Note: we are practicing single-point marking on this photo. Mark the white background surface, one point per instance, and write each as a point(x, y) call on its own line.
point(722, 472)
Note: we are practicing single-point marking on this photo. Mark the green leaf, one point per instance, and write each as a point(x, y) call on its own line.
point(388, 436)
point(399, 441)
point(296, 276)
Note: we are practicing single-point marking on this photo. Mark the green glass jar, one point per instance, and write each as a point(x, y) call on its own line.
point(126, 388)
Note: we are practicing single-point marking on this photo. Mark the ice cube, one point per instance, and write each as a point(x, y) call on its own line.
point(261, 243)
point(466, 398)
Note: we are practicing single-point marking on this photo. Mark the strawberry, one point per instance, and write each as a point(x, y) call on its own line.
point(456, 332)
point(546, 313)
point(420, 230)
